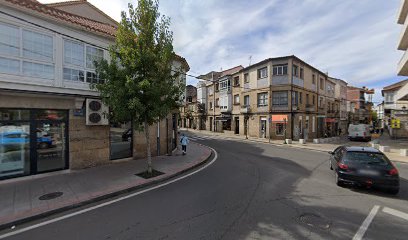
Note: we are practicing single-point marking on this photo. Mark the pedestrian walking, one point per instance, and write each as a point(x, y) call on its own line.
point(184, 141)
point(382, 131)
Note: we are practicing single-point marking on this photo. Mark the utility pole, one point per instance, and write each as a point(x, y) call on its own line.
point(212, 80)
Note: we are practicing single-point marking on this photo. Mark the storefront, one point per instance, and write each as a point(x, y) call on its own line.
point(33, 141)
point(224, 122)
point(279, 126)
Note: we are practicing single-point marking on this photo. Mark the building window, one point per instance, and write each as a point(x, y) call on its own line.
point(314, 79)
point(246, 100)
point(93, 78)
point(93, 55)
point(79, 62)
point(307, 99)
point(211, 105)
point(262, 99)
point(37, 46)
point(236, 99)
point(73, 75)
point(301, 73)
point(246, 78)
point(236, 81)
point(9, 40)
point(279, 70)
point(189, 99)
point(217, 102)
point(295, 71)
point(38, 70)
point(280, 98)
point(280, 129)
point(217, 87)
point(300, 97)
point(314, 99)
point(9, 66)
point(74, 53)
point(225, 85)
point(262, 72)
point(27, 46)
point(321, 84)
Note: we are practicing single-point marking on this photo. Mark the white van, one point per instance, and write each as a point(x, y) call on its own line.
point(359, 132)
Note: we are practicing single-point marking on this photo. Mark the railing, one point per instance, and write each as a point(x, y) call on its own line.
point(310, 107)
point(245, 109)
point(225, 108)
point(280, 107)
point(227, 89)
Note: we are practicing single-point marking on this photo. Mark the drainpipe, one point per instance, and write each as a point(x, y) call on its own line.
point(212, 80)
point(291, 103)
point(158, 138)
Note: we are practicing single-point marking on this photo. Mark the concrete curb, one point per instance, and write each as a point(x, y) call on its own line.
point(279, 144)
point(203, 160)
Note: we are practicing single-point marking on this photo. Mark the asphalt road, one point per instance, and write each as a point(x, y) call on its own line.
point(252, 191)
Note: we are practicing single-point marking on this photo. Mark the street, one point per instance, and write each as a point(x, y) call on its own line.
point(252, 191)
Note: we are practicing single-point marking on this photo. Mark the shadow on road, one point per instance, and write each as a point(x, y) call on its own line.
point(402, 195)
point(271, 207)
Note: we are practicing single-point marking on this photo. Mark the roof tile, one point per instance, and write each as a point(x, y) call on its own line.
point(87, 23)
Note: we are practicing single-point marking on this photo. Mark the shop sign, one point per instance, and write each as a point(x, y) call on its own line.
point(395, 123)
point(279, 118)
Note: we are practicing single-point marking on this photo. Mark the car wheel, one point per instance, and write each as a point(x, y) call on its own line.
point(337, 180)
point(43, 145)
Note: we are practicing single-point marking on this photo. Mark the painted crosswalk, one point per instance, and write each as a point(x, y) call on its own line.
point(206, 138)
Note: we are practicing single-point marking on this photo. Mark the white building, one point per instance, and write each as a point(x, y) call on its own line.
point(46, 67)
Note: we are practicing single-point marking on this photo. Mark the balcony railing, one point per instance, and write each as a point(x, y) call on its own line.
point(225, 108)
point(280, 107)
point(310, 107)
point(245, 109)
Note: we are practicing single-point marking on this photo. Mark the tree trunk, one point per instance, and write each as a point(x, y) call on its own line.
point(149, 153)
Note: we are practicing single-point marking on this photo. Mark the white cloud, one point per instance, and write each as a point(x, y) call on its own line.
point(352, 40)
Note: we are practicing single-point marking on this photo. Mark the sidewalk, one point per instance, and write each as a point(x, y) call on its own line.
point(393, 155)
point(19, 201)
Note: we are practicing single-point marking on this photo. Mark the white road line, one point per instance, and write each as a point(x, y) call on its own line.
point(107, 203)
point(363, 228)
point(395, 213)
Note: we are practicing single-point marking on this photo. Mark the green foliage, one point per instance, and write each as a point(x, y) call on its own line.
point(374, 116)
point(140, 84)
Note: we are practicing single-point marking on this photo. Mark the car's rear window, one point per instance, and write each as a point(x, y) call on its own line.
point(366, 157)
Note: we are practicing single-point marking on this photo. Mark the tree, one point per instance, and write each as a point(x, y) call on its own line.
point(140, 84)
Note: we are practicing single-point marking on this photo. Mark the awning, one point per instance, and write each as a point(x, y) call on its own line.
point(279, 118)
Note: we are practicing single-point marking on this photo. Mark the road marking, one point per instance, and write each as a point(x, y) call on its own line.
point(363, 228)
point(395, 213)
point(109, 202)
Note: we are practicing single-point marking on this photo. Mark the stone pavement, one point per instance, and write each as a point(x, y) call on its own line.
point(19, 201)
point(323, 147)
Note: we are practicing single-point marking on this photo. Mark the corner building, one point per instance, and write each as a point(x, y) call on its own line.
point(50, 119)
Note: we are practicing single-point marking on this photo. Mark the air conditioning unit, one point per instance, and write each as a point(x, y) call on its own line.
point(96, 112)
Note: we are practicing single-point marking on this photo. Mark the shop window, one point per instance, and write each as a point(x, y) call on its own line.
point(280, 129)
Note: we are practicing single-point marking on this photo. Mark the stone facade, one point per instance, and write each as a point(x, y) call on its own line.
point(277, 98)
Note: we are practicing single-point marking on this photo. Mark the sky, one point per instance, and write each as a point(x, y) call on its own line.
point(352, 40)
